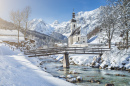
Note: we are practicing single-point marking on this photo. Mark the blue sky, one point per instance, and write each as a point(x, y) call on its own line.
point(49, 10)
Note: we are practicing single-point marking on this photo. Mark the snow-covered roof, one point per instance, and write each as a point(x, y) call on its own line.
point(76, 32)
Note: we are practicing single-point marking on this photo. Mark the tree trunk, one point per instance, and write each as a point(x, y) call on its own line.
point(25, 31)
point(127, 39)
point(109, 35)
point(18, 34)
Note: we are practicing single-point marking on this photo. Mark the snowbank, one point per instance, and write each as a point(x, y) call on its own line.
point(17, 70)
point(116, 58)
point(109, 59)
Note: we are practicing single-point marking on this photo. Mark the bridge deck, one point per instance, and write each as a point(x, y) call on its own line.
point(62, 50)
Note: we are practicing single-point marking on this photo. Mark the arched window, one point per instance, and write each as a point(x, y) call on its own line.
point(74, 25)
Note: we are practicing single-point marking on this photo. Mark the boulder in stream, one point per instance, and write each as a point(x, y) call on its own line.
point(109, 84)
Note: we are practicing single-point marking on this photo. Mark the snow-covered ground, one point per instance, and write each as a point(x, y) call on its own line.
point(116, 58)
point(10, 32)
point(17, 70)
point(11, 38)
point(10, 35)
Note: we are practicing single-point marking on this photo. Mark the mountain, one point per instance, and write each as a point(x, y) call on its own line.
point(88, 21)
point(6, 25)
point(62, 28)
point(40, 26)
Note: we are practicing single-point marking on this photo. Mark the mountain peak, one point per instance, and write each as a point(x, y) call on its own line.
point(56, 22)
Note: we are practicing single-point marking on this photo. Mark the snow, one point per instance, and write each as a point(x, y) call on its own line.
point(88, 20)
point(11, 38)
point(113, 58)
point(10, 35)
point(40, 26)
point(17, 70)
point(116, 57)
point(91, 40)
point(10, 32)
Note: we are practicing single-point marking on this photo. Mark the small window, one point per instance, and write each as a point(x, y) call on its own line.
point(78, 38)
point(83, 41)
point(74, 25)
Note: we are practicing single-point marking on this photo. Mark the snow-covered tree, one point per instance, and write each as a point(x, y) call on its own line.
point(122, 8)
point(109, 20)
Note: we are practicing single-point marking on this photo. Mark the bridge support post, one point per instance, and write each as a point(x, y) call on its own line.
point(66, 60)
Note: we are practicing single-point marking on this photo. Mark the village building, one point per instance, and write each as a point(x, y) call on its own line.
point(76, 38)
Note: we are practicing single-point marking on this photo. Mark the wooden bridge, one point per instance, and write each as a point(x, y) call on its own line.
point(66, 51)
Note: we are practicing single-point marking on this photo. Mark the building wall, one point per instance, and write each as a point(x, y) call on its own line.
point(83, 39)
point(76, 39)
point(70, 41)
point(72, 26)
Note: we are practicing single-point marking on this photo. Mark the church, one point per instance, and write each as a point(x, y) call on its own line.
point(76, 39)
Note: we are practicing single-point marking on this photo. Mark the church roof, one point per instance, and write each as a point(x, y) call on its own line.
point(73, 20)
point(76, 32)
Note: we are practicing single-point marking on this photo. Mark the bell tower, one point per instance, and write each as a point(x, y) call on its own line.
point(73, 22)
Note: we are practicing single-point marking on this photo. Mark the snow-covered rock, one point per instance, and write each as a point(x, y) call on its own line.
point(69, 76)
point(116, 58)
point(79, 78)
point(40, 26)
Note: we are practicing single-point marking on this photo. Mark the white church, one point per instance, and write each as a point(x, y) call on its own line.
point(76, 39)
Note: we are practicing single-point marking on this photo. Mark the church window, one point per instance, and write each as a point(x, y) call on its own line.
point(78, 38)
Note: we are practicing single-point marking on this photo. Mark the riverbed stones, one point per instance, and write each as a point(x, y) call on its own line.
point(99, 82)
point(72, 80)
point(61, 76)
point(94, 81)
point(100, 67)
point(102, 78)
point(109, 84)
point(73, 72)
point(107, 74)
point(79, 78)
point(60, 70)
point(69, 76)
point(120, 75)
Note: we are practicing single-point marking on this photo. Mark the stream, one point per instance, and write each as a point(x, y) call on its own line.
point(118, 78)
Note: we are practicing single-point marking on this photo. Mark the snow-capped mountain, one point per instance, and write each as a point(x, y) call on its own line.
point(55, 23)
point(87, 20)
point(63, 28)
point(40, 26)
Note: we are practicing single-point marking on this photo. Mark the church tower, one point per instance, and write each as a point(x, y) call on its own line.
point(73, 22)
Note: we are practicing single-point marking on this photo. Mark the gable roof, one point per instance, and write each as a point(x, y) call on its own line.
point(76, 32)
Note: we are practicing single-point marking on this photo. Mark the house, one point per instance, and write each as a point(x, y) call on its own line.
point(76, 38)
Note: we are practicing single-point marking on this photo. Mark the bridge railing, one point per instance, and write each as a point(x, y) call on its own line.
point(62, 50)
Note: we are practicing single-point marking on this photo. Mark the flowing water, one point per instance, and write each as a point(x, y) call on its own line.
point(87, 73)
